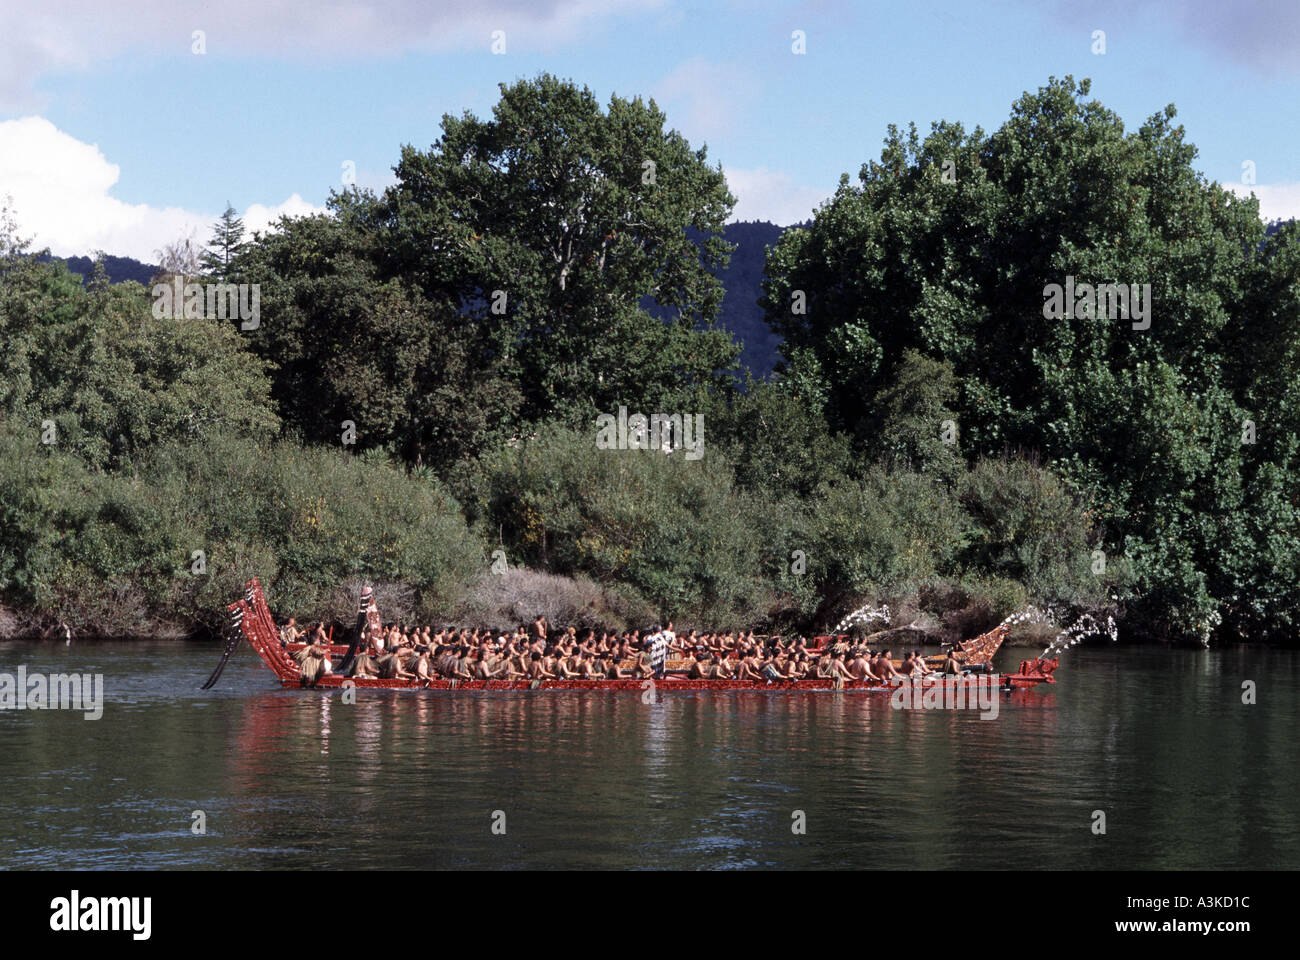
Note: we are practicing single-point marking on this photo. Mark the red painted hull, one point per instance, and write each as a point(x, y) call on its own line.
point(662, 684)
point(255, 621)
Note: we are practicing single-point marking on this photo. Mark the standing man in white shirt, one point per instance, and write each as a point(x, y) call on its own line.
point(658, 644)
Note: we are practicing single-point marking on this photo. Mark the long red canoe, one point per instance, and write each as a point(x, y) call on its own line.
point(251, 619)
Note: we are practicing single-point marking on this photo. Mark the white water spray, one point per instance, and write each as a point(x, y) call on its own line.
point(1086, 626)
point(864, 614)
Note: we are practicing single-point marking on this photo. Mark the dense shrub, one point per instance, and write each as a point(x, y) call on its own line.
point(884, 531)
point(115, 552)
point(677, 531)
point(1027, 527)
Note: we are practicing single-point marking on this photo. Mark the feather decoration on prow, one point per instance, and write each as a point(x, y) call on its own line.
point(233, 635)
point(360, 629)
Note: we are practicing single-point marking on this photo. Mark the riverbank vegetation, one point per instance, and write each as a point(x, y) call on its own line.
point(416, 405)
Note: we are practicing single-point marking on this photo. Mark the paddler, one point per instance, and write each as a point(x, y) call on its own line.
point(884, 667)
point(419, 665)
point(748, 669)
point(315, 662)
point(536, 670)
point(860, 667)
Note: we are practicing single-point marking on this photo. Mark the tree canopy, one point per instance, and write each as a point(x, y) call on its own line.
point(947, 247)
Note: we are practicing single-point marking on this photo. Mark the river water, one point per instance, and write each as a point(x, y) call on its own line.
point(1159, 741)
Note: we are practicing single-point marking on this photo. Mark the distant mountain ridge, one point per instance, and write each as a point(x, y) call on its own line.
point(119, 269)
point(742, 280)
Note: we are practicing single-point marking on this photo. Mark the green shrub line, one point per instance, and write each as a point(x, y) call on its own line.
point(593, 538)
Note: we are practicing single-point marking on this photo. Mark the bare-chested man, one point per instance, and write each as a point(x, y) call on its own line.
point(821, 667)
point(748, 668)
point(392, 668)
point(565, 667)
point(588, 668)
point(701, 668)
point(464, 663)
point(859, 667)
point(839, 671)
point(536, 669)
point(914, 666)
point(363, 665)
point(772, 665)
point(796, 665)
point(645, 665)
point(490, 666)
point(420, 666)
point(883, 667)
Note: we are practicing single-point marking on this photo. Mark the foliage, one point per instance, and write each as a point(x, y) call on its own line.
point(115, 552)
point(677, 531)
point(113, 378)
point(226, 244)
point(573, 215)
point(350, 346)
point(1146, 423)
point(560, 259)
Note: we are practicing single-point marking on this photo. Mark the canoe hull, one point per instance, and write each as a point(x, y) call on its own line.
point(661, 684)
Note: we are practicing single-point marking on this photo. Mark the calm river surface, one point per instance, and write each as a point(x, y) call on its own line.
point(1187, 775)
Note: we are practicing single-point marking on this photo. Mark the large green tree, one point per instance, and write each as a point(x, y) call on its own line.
point(548, 225)
point(92, 368)
point(949, 246)
point(352, 346)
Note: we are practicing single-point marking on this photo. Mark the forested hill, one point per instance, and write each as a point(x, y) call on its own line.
point(119, 269)
point(741, 314)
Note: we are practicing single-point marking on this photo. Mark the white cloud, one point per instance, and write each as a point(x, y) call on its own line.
point(57, 35)
point(763, 194)
point(376, 181)
point(62, 198)
point(1277, 201)
point(705, 101)
point(259, 217)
